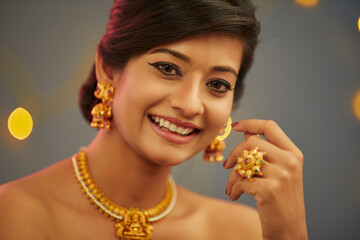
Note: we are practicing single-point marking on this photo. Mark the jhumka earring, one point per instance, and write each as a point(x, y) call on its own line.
point(214, 152)
point(102, 112)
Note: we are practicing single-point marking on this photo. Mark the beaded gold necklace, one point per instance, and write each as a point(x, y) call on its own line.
point(131, 223)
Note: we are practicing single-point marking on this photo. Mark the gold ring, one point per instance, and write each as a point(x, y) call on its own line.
point(250, 163)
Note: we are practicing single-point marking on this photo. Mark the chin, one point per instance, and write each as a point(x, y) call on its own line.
point(169, 158)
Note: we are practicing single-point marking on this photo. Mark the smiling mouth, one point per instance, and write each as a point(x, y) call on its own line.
point(171, 127)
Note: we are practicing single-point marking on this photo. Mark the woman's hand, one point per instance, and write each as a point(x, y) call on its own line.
point(279, 191)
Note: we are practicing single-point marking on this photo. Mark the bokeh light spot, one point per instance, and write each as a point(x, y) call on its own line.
point(20, 123)
point(359, 24)
point(307, 3)
point(356, 104)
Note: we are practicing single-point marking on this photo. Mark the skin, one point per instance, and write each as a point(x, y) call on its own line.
point(130, 163)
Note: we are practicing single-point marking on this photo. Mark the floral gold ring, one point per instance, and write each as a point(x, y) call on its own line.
point(250, 163)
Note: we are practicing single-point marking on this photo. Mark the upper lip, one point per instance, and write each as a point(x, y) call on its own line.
point(178, 122)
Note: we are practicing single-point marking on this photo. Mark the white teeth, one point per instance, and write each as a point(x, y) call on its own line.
point(179, 130)
point(172, 127)
point(166, 125)
point(161, 122)
point(190, 130)
point(184, 131)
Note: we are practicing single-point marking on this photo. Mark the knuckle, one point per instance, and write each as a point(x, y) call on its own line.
point(293, 164)
point(284, 176)
point(270, 124)
point(274, 186)
point(300, 156)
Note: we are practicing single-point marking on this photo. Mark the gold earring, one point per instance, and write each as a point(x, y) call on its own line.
point(102, 112)
point(214, 152)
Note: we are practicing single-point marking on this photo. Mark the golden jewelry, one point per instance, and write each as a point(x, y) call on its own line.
point(102, 112)
point(250, 163)
point(224, 133)
point(131, 223)
point(214, 152)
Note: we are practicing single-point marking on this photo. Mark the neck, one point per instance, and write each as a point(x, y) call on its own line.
point(125, 176)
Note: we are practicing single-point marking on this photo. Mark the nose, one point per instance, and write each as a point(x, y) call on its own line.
point(187, 99)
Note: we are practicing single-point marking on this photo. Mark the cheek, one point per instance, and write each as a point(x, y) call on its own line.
point(137, 93)
point(218, 114)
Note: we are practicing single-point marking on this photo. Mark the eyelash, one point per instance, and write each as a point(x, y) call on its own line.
point(223, 83)
point(160, 65)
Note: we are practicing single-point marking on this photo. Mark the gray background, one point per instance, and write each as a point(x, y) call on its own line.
point(305, 75)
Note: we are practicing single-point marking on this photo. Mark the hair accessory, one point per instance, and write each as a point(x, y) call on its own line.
point(131, 223)
point(250, 163)
point(214, 152)
point(102, 112)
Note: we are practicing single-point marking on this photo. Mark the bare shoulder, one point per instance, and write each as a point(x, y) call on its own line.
point(25, 204)
point(19, 209)
point(226, 220)
point(239, 220)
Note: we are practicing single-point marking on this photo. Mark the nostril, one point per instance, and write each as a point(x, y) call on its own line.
point(188, 107)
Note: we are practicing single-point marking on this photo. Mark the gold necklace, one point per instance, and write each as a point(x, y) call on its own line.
point(131, 223)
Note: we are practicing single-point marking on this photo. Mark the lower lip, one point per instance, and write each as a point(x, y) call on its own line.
point(170, 136)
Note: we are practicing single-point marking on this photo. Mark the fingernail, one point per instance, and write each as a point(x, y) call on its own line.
point(234, 124)
point(224, 164)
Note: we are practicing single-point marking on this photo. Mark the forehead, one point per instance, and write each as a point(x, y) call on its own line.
point(209, 48)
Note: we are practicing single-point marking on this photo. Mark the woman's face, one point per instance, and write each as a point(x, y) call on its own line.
point(172, 101)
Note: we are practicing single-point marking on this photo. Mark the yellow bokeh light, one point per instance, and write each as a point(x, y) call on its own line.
point(20, 123)
point(307, 3)
point(356, 104)
point(359, 24)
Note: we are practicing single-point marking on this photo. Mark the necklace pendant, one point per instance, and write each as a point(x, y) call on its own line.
point(133, 226)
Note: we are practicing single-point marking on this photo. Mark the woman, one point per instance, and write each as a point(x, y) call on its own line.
point(166, 77)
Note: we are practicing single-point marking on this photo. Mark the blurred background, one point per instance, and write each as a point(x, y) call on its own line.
point(306, 77)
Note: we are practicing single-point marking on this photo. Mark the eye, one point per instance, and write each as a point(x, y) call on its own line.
point(167, 69)
point(219, 85)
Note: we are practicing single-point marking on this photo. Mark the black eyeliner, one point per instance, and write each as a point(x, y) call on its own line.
point(225, 83)
point(157, 64)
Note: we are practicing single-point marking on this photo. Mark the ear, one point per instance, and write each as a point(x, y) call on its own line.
point(103, 72)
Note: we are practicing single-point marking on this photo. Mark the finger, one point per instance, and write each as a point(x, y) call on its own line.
point(245, 186)
point(276, 173)
point(281, 164)
point(269, 129)
point(236, 194)
point(234, 176)
point(236, 190)
point(247, 135)
point(270, 170)
point(250, 143)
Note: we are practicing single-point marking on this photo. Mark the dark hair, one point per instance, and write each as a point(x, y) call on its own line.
point(136, 26)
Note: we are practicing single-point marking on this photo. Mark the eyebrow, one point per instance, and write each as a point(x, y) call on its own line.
point(188, 60)
point(224, 69)
point(172, 52)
